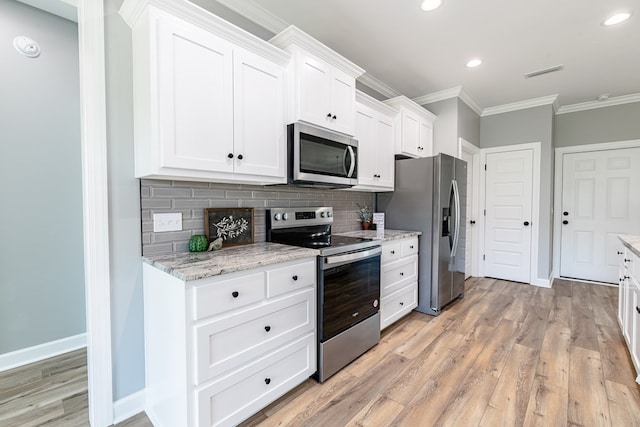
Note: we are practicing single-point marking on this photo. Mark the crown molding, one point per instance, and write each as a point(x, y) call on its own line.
point(522, 105)
point(371, 102)
point(256, 13)
point(454, 92)
point(67, 9)
point(591, 105)
point(382, 88)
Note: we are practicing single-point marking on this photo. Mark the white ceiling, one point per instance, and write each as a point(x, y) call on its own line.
point(417, 53)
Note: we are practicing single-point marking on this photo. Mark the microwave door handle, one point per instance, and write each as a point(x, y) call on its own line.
point(352, 155)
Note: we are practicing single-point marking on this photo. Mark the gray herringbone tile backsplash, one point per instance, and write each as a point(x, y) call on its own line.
point(191, 198)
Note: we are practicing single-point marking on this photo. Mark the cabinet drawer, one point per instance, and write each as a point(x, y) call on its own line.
point(290, 278)
point(634, 264)
point(391, 251)
point(235, 339)
point(398, 305)
point(398, 274)
point(409, 246)
point(225, 295)
point(244, 392)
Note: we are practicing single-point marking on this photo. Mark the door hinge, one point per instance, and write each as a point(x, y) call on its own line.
point(485, 212)
point(485, 166)
point(483, 258)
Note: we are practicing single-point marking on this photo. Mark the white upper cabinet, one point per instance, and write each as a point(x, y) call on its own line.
point(208, 97)
point(322, 86)
point(376, 143)
point(414, 128)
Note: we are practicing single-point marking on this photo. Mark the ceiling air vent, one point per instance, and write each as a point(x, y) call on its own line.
point(543, 71)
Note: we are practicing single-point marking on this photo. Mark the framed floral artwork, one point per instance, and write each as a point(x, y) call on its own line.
point(233, 225)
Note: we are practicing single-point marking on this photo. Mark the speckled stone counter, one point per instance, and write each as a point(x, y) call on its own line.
point(200, 265)
point(384, 235)
point(631, 242)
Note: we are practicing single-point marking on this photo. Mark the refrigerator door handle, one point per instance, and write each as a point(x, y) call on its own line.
point(456, 201)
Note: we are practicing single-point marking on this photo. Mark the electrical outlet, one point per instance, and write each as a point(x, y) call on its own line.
point(167, 222)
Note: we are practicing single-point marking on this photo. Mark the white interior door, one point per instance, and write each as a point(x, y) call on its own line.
point(508, 220)
point(471, 220)
point(600, 200)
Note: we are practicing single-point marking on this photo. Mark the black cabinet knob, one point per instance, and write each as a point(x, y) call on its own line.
point(627, 260)
point(329, 115)
point(401, 303)
point(565, 222)
point(235, 294)
point(411, 247)
point(334, 117)
point(393, 252)
point(295, 277)
point(240, 157)
point(565, 213)
point(472, 222)
point(267, 328)
point(230, 155)
point(267, 381)
point(402, 273)
point(638, 309)
point(620, 253)
point(526, 223)
point(626, 277)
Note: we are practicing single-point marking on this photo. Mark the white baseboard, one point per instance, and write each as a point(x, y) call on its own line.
point(129, 406)
point(39, 352)
point(543, 283)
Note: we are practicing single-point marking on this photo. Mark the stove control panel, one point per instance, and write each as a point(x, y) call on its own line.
point(299, 217)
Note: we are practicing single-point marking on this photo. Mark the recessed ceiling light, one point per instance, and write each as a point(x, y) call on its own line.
point(429, 5)
point(474, 63)
point(617, 19)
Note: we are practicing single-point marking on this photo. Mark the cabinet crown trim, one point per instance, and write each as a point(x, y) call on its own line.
point(132, 10)
point(371, 102)
point(403, 102)
point(292, 37)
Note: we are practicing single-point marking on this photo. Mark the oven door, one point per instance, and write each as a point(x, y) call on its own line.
point(348, 291)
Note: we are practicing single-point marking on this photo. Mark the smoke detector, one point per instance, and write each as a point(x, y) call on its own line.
point(26, 46)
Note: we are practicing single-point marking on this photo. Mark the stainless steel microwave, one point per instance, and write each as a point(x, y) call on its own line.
point(321, 158)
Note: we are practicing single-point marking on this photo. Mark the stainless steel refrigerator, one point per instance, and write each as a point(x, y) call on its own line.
point(429, 196)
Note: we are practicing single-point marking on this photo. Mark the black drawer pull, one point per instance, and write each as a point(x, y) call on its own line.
point(393, 252)
point(411, 247)
point(295, 277)
point(627, 260)
point(267, 381)
point(401, 303)
point(620, 253)
point(235, 294)
point(267, 328)
point(402, 273)
point(638, 309)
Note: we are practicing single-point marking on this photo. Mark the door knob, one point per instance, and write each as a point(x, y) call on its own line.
point(565, 213)
point(230, 155)
point(240, 157)
point(526, 223)
point(565, 222)
point(472, 222)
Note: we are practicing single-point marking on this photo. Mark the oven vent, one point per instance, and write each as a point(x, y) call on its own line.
point(543, 71)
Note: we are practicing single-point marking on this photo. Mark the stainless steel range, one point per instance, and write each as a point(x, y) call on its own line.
point(348, 283)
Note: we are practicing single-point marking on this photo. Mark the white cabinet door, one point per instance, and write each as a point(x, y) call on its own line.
point(195, 102)
point(315, 87)
point(509, 189)
point(258, 116)
point(425, 141)
point(366, 122)
point(343, 102)
point(385, 154)
point(410, 135)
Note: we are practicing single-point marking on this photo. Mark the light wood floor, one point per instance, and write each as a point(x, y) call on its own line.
point(508, 354)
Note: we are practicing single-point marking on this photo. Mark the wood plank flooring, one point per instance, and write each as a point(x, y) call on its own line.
point(508, 354)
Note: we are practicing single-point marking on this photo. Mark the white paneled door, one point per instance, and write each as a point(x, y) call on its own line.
point(508, 222)
point(598, 203)
point(468, 253)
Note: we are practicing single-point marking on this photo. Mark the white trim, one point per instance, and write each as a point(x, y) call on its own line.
point(66, 9)
point(522, 105)
point(43, 351)
point(542, 283)
point(591, 105)
point(93, 127)
point(129, 406)
point(454, 92)
point(466, 146)
point(256, 13)
point(557, 187)
point(535, 203)
point(380, 87)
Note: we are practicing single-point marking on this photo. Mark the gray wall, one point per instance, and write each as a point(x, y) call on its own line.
point(445, 128)
point(468, 123)
point(191, 198)
point(524, 126)
point(41, 267)
point(608, 124)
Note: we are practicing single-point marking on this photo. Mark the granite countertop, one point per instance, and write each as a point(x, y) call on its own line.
point(384, 235)
point(631, 242)
point(200, 265)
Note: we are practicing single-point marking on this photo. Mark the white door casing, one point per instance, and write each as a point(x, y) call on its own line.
point(503, 225)
point(598, 203)
point(471, 154)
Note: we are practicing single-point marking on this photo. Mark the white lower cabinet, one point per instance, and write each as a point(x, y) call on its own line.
point(220, 349)
point(629, 304)
point(398, 279)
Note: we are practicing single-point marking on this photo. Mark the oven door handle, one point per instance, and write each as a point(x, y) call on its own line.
point(354, 256)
